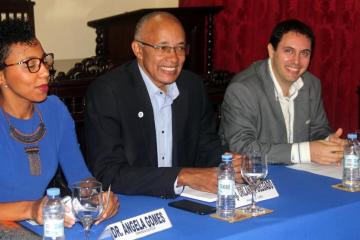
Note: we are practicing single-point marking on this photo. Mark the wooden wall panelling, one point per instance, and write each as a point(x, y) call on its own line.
point(115, 34)
point(23, 9)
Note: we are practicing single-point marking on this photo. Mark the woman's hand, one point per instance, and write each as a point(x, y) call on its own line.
point(112, 207)
point(37, 214)
point(36, 210)
point(69, 218)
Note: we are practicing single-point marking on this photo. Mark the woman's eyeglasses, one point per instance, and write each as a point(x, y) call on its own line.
point(34, 64)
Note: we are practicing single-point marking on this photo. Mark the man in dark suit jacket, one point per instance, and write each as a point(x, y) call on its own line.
point(122, 136)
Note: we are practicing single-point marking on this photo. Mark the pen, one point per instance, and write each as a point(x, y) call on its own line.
point(108, 196)
point(106, 205)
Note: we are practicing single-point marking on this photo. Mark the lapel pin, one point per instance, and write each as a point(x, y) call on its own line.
point(140, 114)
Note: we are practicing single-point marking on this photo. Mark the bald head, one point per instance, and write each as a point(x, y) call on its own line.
point(147, 24)
point(160, 47)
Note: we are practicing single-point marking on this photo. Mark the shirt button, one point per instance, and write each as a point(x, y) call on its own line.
point(163, 158)
point(162, 131)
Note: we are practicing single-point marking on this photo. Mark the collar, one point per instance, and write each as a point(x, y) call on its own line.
point(293, 90)
point(172, 89)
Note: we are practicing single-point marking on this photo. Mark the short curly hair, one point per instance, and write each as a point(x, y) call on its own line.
point(291, 25)
point(14, 31)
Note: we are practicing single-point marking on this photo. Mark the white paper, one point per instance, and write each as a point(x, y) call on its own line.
point(333, 171)
point(199, 195)
point(241, 199)
point(31, 222)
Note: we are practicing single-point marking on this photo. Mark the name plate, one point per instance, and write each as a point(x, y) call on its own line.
point(140, 226)
point(266, 190)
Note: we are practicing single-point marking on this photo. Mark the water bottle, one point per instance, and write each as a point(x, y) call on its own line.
point(225, 205)
point(351, 165)
point(53, 216)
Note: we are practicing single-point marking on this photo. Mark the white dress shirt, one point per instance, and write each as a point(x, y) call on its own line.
point(300, 152)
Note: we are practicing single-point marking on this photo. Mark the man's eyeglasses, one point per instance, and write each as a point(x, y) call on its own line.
point(181, 50)
point(34, 64)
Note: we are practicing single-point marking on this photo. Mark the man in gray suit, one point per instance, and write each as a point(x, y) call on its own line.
point(275, 105)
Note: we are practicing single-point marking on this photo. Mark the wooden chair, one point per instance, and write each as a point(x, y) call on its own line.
point(71, 88)
point(23, 9)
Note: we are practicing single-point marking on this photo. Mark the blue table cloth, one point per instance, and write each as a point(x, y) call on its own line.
point(307, 208)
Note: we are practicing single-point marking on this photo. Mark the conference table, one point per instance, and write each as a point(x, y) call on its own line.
point(307, 208)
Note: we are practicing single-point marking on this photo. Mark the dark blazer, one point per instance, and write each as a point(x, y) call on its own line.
point(252, 117)
point(121, 139)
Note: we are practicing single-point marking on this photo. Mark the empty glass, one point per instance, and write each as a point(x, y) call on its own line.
point(254, 169)
point(87, 202)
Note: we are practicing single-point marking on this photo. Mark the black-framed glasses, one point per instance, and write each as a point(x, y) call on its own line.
point(33, 64)
point(181, 50)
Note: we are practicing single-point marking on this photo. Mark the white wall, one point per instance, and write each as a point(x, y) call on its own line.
point(61, 25)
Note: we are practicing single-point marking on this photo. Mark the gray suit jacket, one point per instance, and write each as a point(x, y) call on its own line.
point(252, 118)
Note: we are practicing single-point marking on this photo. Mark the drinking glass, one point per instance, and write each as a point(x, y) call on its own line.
point(254, 169)
point(87, 203)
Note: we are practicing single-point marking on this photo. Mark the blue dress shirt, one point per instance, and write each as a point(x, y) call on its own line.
point(161, 104)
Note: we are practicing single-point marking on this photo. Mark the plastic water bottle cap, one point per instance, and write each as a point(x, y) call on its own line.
point(226, 157)
point(352, 136)
point(52, 192)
